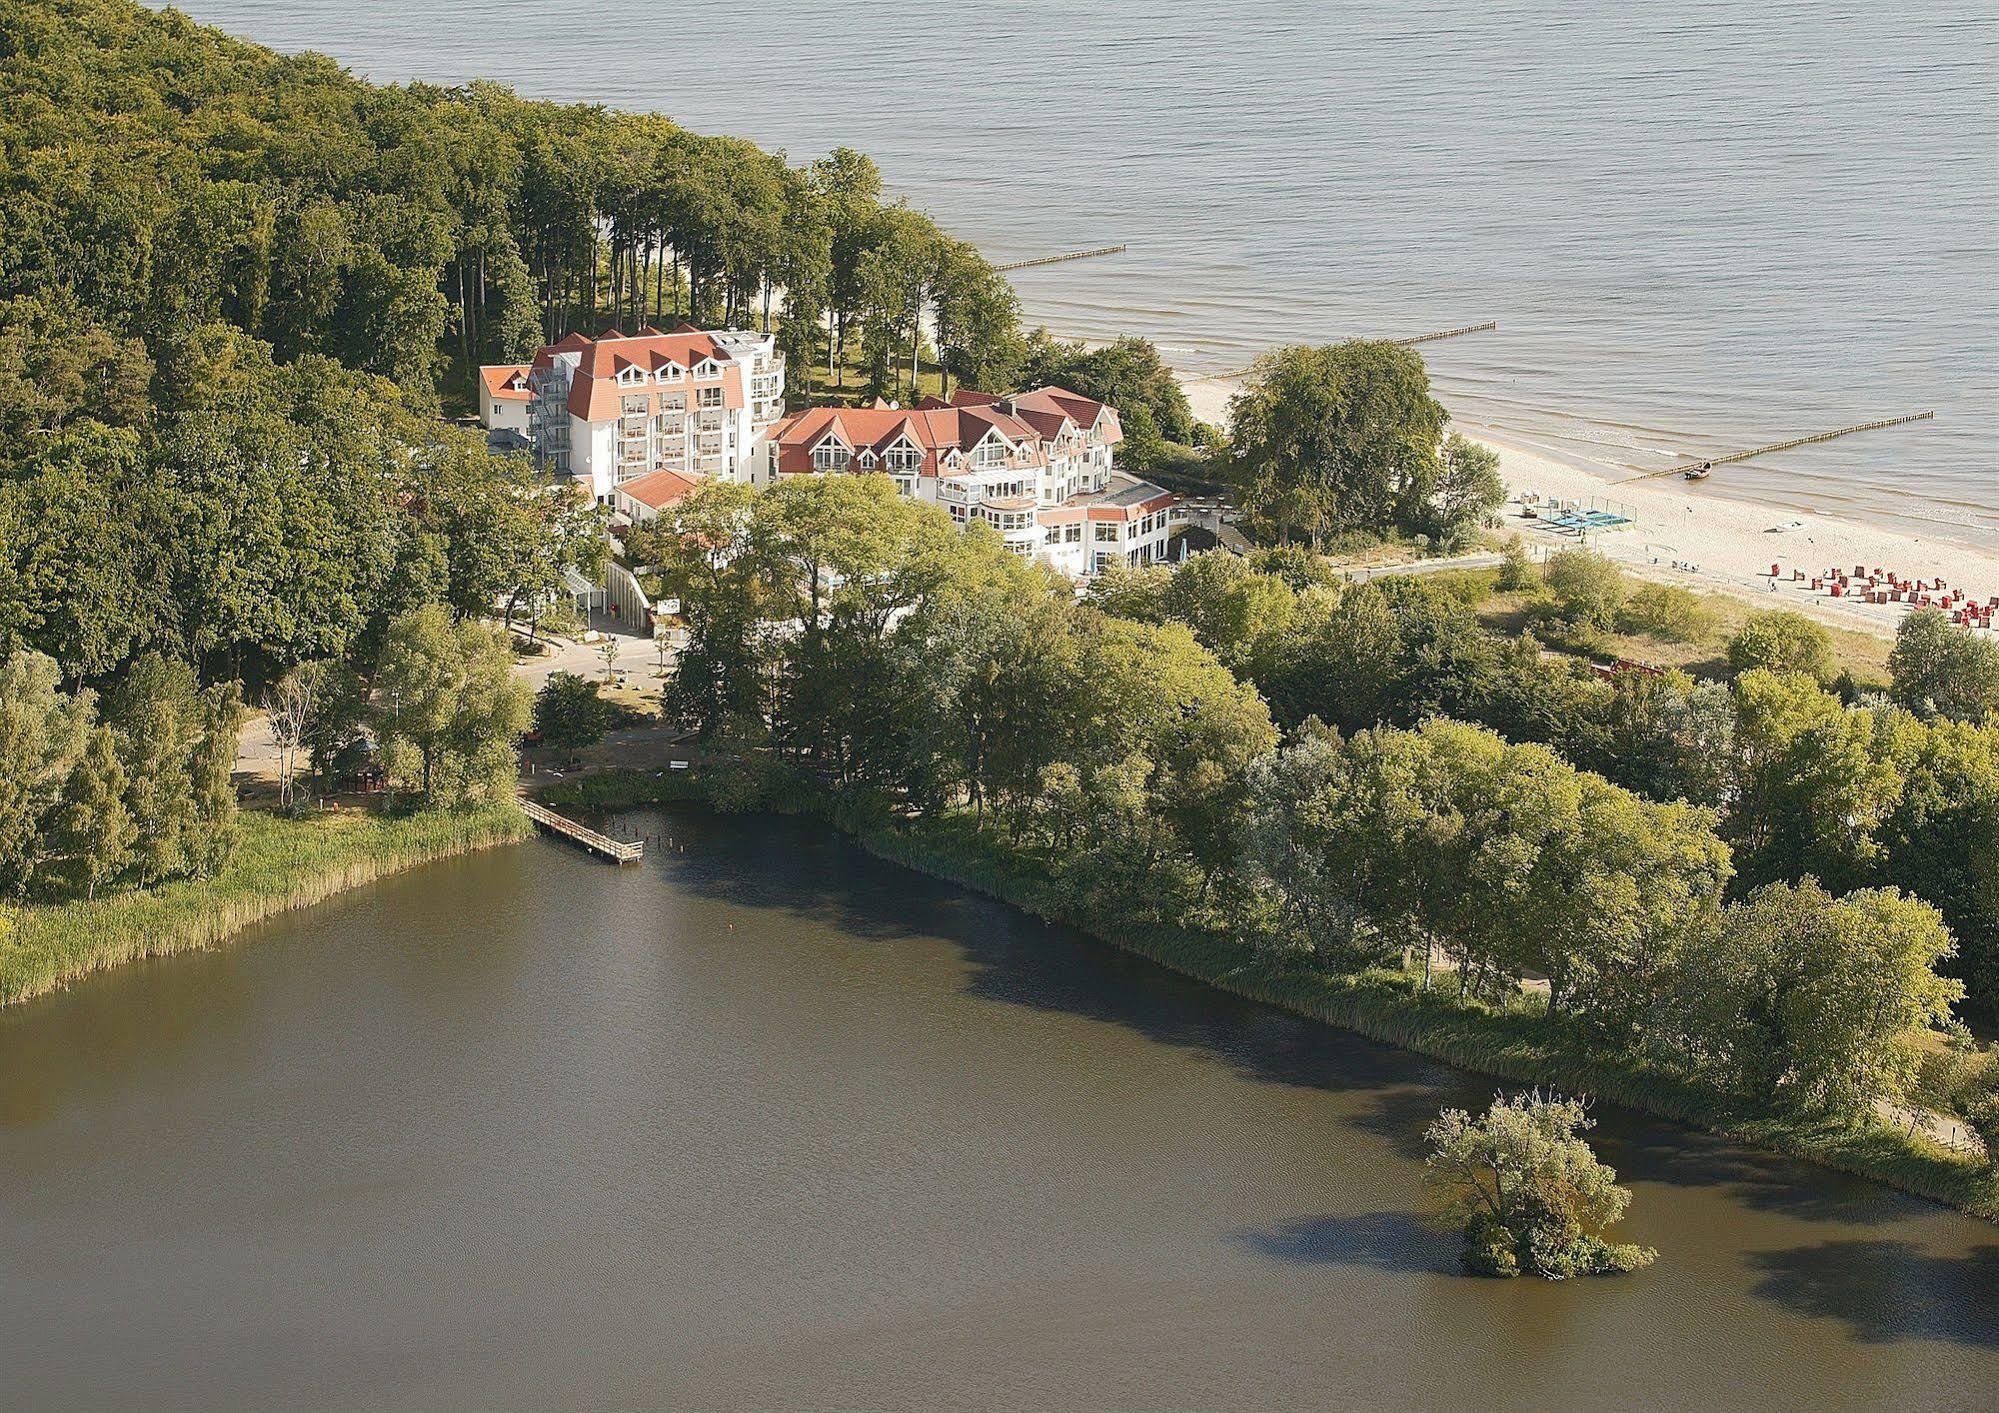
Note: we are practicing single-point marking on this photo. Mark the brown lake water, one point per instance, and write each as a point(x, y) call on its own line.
point(768, 1123)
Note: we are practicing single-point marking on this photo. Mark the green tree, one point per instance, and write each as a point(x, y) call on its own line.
point(1588, 588)
point(43, 735)
point(1941, 839)
point(570, 712)
point(1811, 788)
point(1530, 1194)
point(211, 766)
point(1817, 1000)
point(1782, 640)
point(1939, 667)
point(1339, 438)
point(448, 711)
point(1469, 492)
point(1516, 570)
point(94, 831)
point(157, 714)
point(1667, 612)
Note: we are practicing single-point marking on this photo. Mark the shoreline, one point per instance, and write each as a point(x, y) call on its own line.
point(1373, 1005)
point(280, 866)
point(1706, 540)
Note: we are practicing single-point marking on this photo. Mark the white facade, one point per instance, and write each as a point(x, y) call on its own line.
point(504, 398)
point(1038, 468)
point(610, 410)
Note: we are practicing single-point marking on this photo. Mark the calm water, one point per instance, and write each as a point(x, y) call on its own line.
point(767, 1123)
point(1702, 226)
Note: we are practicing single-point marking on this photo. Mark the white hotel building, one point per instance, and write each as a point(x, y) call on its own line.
point(613, 409)
point(1037, 467)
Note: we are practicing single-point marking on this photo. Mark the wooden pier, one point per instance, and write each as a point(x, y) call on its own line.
point(1708, 463)
point(1060, 259)
point(603, 845)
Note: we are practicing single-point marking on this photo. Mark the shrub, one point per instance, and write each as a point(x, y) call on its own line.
point(1588, 588)
point(1668, 613)
point(1782, 641)
point(1531, 1194)
point(1516, 570)
point(1940, 668)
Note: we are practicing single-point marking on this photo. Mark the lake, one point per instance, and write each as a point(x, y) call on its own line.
point(1702, 227)
point(766, 1122)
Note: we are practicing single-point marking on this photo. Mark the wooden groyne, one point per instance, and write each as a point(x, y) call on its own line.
point(602, 845)
point(1487, 327)
point(1708, 463)
point(1060, 259)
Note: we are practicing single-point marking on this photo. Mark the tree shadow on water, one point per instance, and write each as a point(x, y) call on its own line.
point(1647, 1150)
point(802, 870)
point(1380, 1241)
point(1886, 1291)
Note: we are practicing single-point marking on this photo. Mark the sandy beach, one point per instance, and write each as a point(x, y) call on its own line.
point(1698, 536)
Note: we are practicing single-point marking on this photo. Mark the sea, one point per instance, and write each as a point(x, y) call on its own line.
point(1700, 226)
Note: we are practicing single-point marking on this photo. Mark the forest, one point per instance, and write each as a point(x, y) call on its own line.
point(240, 292)
point(1750, 885)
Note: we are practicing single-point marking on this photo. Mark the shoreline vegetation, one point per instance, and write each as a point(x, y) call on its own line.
point(1381, 1004)
point(279, 866)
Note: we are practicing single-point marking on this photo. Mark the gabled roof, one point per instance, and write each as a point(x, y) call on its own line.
point(500, 378)
point(594, 389)
point(941, 429)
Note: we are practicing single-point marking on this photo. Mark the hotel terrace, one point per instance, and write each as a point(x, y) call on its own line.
point(1037, 467)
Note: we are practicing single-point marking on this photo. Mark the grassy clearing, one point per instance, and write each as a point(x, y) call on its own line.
point(279, 865)
point(1703, 653)
point(1389, 1006)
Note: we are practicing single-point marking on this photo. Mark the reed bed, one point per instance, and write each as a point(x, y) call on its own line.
point(279, 865)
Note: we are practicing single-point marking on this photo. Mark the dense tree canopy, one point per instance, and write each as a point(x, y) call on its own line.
point(1347, 438)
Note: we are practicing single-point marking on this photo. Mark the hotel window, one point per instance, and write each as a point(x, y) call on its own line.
point(904, 457)
point(829, 456)
point(1072, 534)
point(708, 397)
point(1106, 534)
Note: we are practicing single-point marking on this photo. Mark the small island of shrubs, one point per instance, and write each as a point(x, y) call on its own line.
point(1529, 1192)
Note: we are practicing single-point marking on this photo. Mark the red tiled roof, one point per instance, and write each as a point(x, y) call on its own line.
point(660, 489)
point(939, 427)
point(498, 378)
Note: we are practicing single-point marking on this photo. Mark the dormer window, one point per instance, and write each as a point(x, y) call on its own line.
point(904, 456)
point(991, 452)
point(707, 368)
point(669, 372)
point(629, 375)
point(868, 459)
point(829, 455)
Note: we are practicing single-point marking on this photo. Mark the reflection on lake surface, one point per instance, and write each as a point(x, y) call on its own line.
point(768, 1122)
